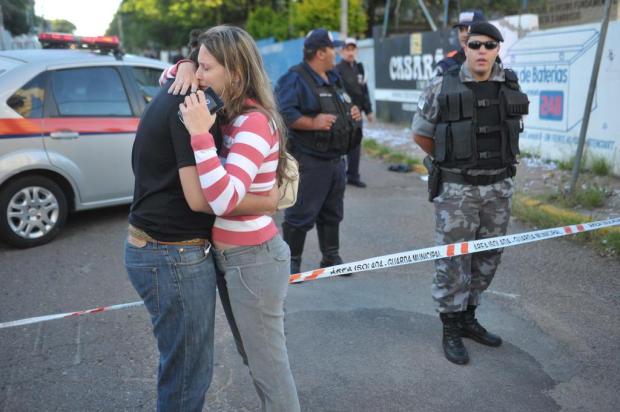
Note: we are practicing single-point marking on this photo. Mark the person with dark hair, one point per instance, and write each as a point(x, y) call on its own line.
point(193, 44)
point(354, 80)
point(322, 122)
point(457, 57)
point(168, 254)
point(251, 256)
point(469, 121)
point(177, 57)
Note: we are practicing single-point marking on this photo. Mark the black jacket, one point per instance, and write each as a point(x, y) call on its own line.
point(355, 84)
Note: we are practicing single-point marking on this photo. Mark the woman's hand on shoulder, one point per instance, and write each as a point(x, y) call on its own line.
point(196, 116)
point(184, 79)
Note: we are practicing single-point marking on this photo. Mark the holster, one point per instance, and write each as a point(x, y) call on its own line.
point(434, 177)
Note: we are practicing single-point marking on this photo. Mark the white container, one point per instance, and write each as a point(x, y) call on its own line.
point(554, 68)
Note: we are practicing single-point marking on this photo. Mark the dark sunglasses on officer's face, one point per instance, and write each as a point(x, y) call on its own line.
point(489, 45)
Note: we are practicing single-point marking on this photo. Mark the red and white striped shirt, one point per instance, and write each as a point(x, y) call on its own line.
point(247, 163)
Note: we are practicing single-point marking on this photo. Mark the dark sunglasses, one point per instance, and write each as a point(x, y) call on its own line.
point(489, 45)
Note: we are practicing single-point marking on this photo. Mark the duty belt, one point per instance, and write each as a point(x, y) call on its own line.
point(481, 180)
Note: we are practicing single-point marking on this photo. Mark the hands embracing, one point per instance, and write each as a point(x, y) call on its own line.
point(184, 79)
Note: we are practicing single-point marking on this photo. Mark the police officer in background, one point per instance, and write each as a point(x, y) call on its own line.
point(457, 57)
point(322, 123)
point(469, 120)
point(354, 80)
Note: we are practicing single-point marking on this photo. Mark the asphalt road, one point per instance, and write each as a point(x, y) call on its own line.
point(370, 342)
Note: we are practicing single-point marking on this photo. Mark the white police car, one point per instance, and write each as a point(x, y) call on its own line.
point(68, 119)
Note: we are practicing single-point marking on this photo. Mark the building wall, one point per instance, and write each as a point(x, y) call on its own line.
point(554, 68)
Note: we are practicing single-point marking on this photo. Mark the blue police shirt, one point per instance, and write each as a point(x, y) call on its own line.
point(452, 59)
point(296, 98)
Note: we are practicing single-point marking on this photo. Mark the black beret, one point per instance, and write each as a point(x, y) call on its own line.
point(486, 29)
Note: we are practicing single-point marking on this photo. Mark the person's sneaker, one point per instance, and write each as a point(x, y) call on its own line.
point(357, 183)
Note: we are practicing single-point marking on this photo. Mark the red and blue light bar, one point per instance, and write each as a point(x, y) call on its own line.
point(67, 40)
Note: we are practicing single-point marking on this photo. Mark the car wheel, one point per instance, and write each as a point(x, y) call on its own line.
point(33, 209)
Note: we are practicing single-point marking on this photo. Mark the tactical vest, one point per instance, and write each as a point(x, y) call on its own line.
point(333, 99)
point(479, 122)
point(352, 79)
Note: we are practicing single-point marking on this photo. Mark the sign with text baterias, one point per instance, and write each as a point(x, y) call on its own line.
point(554, 68)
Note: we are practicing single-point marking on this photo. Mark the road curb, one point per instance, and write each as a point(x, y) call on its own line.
point(540, 214)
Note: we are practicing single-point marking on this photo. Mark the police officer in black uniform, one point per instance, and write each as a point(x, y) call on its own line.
point(457, 57)
point(354, 80)
point(322, 123)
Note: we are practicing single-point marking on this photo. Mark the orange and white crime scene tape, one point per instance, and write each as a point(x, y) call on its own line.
point(46, 318)
point(384, 262)
point(453, 249)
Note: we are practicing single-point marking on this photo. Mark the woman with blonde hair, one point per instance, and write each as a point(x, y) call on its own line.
point(253, 259)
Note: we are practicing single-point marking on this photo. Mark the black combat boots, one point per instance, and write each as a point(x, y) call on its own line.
point(473, 330)
point(453, 346)
point(295, 238)
point(329, 243)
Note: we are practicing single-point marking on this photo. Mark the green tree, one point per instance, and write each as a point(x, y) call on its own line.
point(167, 23)
point(17, 15)
point(406, 16)
point(138, 34)
point(266, 22)
point(495, 9)
point(311, 14)
point(62, 26)
point(163, 23)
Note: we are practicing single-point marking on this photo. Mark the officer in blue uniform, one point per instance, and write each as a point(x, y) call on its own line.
point(354, 79)
point(322, 122)
point(457, 57)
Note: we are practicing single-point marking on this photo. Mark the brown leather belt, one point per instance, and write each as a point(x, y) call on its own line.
point(136, 235)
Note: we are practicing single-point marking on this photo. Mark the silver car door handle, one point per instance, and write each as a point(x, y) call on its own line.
point(66, 134)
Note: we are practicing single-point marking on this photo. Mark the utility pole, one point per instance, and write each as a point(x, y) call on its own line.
point(344, 19)
point(386, 17)
point(446, 12)
point(590, 98)
point(1, 29)
point(119, 22)
point(427, 14)
point(290, 17)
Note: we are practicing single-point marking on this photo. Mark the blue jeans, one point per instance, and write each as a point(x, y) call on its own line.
point(252, 289)
point(177, 284)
